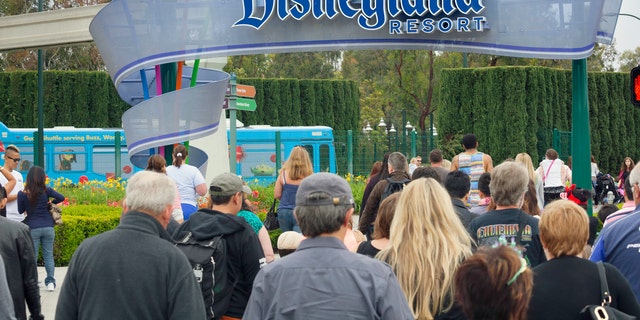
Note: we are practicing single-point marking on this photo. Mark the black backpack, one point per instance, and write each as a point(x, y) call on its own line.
point(209, 262)
point(393, 187)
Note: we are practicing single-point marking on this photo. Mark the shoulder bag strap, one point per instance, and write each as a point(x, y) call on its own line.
point(548, 169)
point(604, 287)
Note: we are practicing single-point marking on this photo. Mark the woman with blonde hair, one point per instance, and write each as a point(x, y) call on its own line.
point(525, 160)
point(296, 168)
point(427, 245)
point(566, 283)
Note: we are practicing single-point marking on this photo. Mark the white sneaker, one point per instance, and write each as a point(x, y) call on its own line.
point(51, 287)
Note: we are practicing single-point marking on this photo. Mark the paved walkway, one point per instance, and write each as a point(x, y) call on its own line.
point(50, 299)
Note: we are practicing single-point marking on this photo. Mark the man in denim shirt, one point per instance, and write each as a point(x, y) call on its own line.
point(619, 242)
point(322, 279)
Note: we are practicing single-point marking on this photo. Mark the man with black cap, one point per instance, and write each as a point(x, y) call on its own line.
point(244, 255)
point(322, 279)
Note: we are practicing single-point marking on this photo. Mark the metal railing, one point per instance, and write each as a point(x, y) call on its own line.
point(357, 151)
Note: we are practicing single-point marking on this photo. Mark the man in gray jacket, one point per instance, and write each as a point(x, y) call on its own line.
point(134, 271)
point(16, 249)
point(322, 279)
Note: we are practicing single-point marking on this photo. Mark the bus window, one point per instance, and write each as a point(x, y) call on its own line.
point(70, 158)
point(26, 158)
point(103, 162)
point(325, 158)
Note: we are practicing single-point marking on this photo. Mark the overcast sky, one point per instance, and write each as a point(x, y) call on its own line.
point(627, 32)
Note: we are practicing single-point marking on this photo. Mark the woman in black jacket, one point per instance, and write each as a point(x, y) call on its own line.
point(566, 283)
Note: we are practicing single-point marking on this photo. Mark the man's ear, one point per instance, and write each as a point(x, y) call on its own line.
point(165, 216)
point(347, 217)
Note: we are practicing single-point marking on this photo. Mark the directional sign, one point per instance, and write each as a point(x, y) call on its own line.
point(246, 104)
point(241, 104)
point(243, 90)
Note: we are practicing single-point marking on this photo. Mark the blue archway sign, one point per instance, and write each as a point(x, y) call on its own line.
point(134, 35)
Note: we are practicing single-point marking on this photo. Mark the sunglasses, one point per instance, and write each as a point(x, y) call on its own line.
point(16, 160)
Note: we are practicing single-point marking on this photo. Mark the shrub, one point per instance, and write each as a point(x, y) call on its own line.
point(94, 207)
point(81, 222)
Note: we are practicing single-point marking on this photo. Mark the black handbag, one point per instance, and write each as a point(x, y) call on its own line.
point(271, 220)
point(604, 311)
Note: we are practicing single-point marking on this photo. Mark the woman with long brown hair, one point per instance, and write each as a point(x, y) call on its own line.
point(34, 201)
point(625, 169)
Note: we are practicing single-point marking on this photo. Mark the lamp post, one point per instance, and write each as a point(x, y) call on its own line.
point(393, 132)
point(407, 131)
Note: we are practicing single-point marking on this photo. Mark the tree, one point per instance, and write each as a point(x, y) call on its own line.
point(629, 59)
point(250, 66)
point(602, 58)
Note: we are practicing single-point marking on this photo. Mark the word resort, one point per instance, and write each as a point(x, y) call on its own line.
point(372, 14)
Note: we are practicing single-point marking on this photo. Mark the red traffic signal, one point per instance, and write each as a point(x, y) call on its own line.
point(635, 86)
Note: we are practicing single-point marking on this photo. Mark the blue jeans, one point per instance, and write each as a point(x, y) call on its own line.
point(287, 220)
point(45, 236)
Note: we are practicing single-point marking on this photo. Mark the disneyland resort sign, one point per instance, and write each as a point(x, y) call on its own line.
point(374, 15)
point(136, 37)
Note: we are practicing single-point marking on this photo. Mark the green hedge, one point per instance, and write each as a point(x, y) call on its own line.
point(81, 222)
point(515, 109)
point(88, 99)
point(84, 221)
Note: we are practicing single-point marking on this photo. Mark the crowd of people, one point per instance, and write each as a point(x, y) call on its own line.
point(464, 240)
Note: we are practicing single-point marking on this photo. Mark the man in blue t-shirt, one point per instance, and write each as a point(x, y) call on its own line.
point(619, 242)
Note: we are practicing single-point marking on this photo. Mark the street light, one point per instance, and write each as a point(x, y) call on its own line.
point(408, 126)
point(367, 128)
point(382, 125)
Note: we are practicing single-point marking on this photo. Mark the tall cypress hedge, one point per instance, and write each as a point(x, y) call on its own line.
point(89, 99)
point(514, 109)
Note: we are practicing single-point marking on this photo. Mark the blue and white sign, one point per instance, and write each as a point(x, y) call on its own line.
point(133, 34)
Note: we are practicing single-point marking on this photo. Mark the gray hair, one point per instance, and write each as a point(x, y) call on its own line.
point(398, 161)
point(634, 176)
point(150, 192)
point(316, 220)
point(509, 181)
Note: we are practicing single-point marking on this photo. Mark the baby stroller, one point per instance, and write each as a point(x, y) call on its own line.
point(604, 185)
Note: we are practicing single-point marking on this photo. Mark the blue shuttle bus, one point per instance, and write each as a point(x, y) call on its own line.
point(256, 150)
point(73, 153)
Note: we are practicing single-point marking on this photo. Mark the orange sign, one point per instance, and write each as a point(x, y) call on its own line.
point(243, 90)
